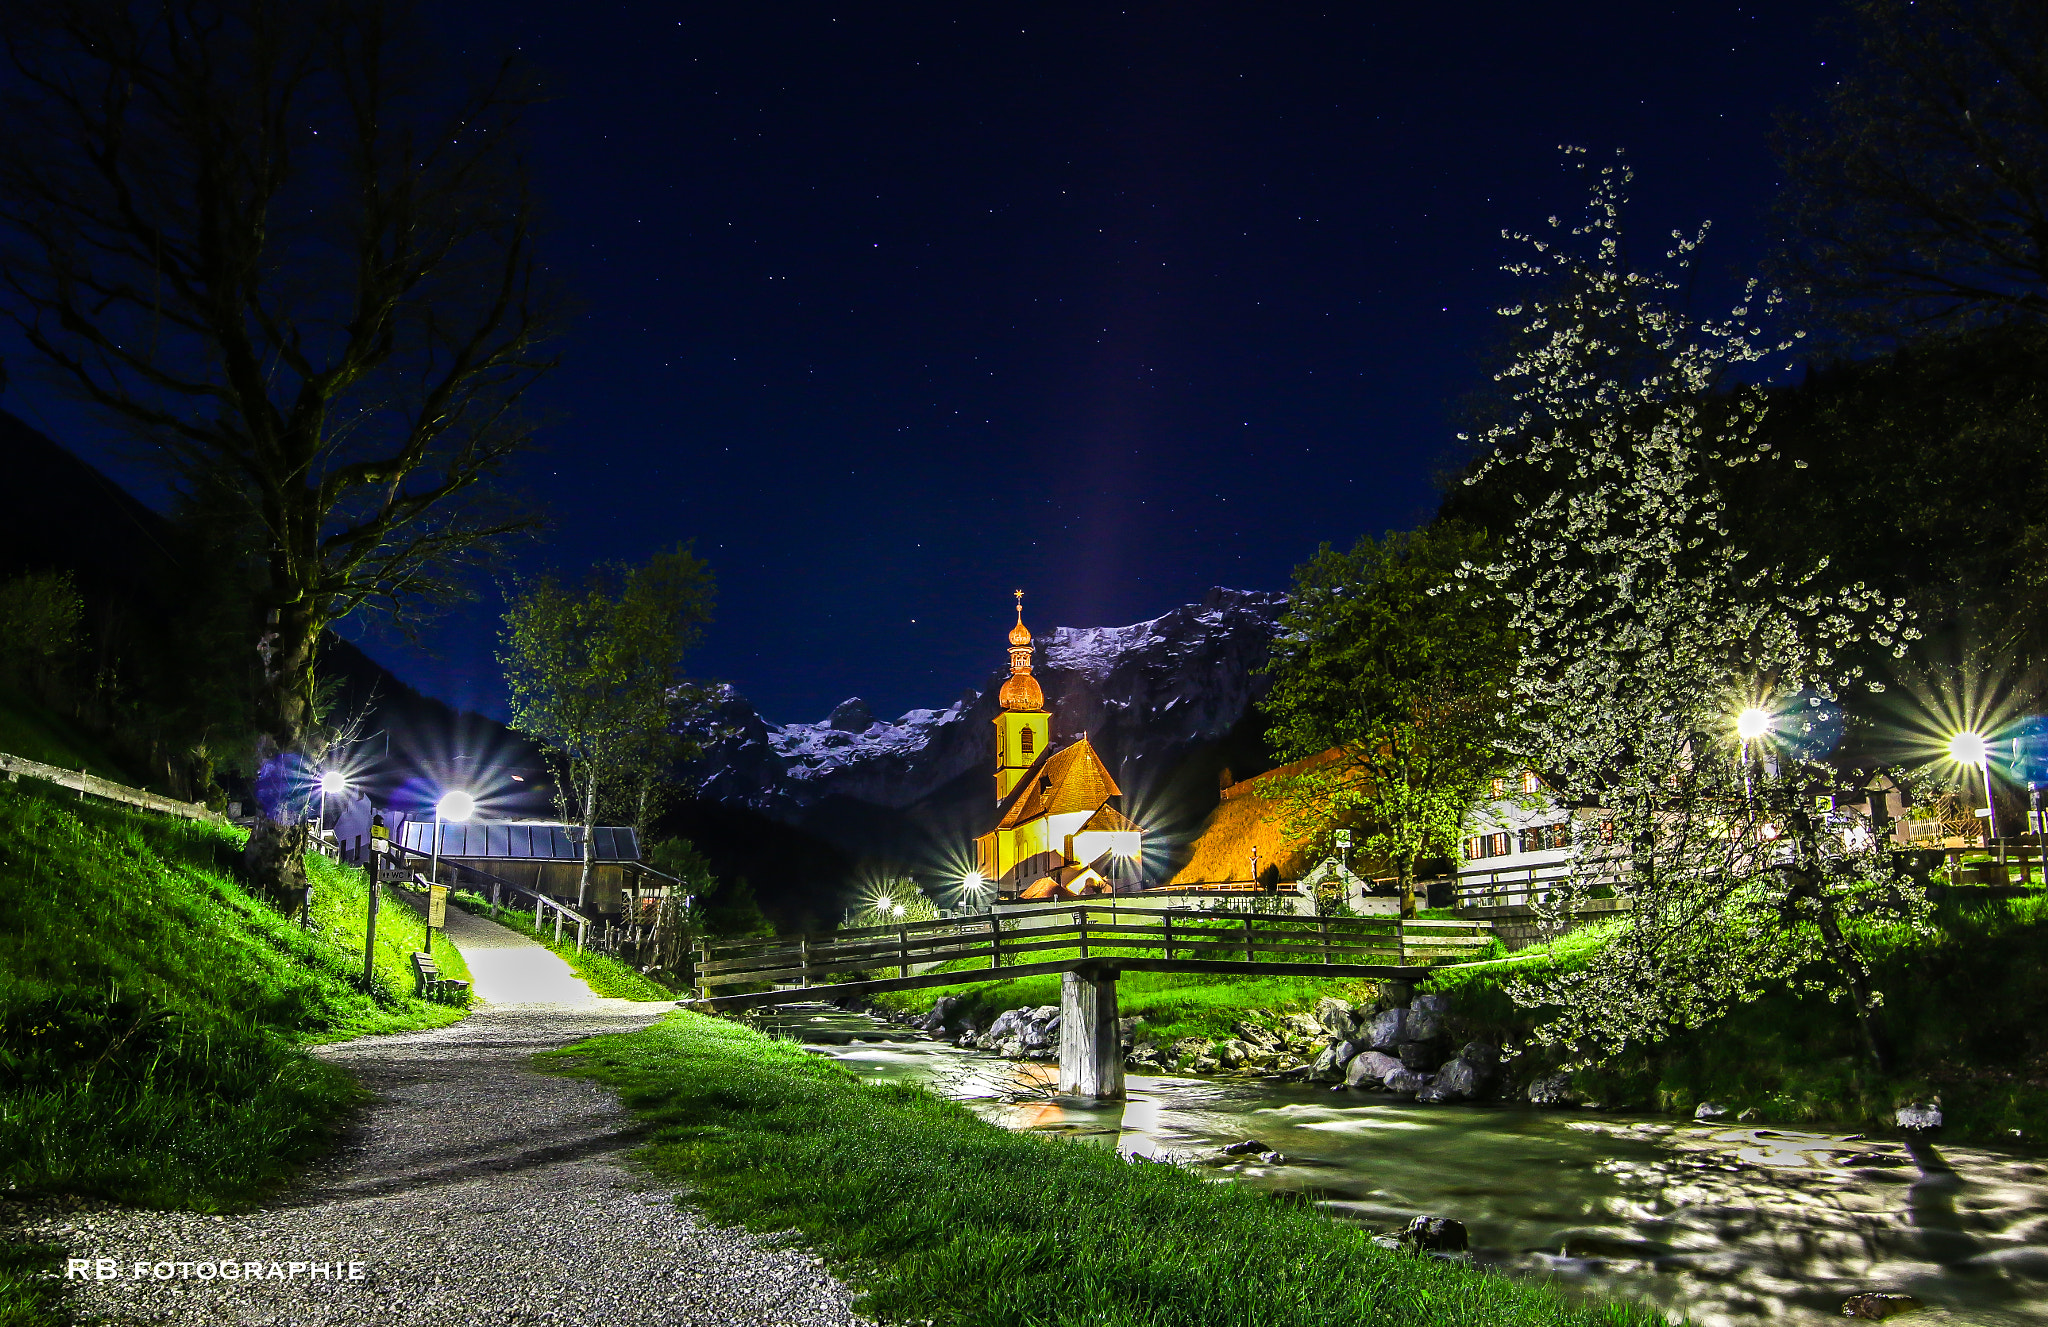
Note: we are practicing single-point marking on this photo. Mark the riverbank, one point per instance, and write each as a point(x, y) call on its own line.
point(1965, 1011)
point(938, 1215)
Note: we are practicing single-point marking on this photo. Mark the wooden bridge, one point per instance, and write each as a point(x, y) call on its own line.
point(1089, 947)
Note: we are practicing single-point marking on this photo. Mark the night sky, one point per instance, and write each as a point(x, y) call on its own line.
point(895, 308)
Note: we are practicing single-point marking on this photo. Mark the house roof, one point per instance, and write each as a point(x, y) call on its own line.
point(1072, 778)
point(1250, 816)
point(525, 840)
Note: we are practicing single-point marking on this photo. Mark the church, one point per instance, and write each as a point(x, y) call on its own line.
point(1058, 831)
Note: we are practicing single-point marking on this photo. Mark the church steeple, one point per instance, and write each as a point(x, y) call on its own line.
point(1023, 728)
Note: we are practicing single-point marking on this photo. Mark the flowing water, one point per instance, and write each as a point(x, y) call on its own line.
point(1725, 1225)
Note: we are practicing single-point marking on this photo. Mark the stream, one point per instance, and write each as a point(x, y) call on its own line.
point(1724, 1224)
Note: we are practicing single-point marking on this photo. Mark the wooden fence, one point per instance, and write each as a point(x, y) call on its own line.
point(14, 767)
point(1169, 940)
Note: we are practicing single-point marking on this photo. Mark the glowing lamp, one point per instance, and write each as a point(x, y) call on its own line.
point(1752, 723)
point(456, 806)
point(896, 908)
point(333, 781)
point(1967, 748)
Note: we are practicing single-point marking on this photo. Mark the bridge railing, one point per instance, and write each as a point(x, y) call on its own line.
point(1183, 938)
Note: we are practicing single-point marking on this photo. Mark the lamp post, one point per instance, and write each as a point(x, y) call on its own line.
point(1968, 748)
point(333, 781)
point(455, 806)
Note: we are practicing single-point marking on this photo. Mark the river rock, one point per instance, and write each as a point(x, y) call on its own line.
point(1126, 1032)
point(1249, 1147)
point(1187, 1048)
point(1367, 1071)
point(1919, 1117)
point(1435, 1234)
point(1261, 1039)
point(1327, 1068)
point(1483, 1054)
point(1346, 1051)
point(1406, 1081)
point(1553, 1090)
point(1709, 1110)
point(1205, 1064)
point(1336, 1017)
point(1878, 1304)
point(1426, 1017)
point(1301, 1026)
point(1421, 1056)
point(1387, 1029)
point(1395, 995)
point(1231, 1054)
point(1460, 1080)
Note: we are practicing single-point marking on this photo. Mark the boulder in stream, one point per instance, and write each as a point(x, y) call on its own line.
point(1460, 1080)
point(1336, 1017)
point(1553, 1090)
point(1919, 1116)
point(1407, 1081)
point(1435, 1234)
point(1387, 1029)
point(1421, 1056)
point(1878, 1304)
point(1249, 1147)
point(1369, 1071)
point(1709, 1110)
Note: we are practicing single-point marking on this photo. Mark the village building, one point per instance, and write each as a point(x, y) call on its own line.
point(1059, 831)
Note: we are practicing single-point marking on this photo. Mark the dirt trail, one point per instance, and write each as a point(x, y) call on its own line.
point(473, 1190)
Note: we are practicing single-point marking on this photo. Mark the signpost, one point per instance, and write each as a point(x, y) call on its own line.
point(437, 912)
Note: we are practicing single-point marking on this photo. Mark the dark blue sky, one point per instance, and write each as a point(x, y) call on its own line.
point(894, 308)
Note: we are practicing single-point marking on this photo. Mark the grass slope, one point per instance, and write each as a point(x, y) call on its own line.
point(1966, 1011)
point(604, 974)
point(939, 1216)
point(153, 1014)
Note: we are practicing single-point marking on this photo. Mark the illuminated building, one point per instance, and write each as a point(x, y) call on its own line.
point(1059, 832)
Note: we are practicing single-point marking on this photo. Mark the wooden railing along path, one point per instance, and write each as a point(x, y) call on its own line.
point(952, 951)
point(14, 767)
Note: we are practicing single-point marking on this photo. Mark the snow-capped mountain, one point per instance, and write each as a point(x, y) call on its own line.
point(1143, 693)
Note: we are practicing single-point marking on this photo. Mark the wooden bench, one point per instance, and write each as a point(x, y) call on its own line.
point(433, 986)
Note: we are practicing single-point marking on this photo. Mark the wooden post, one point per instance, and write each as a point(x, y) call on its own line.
point(703, 973)
point(582, 925)
point(1248, 956)
point(1325, 924)
point(1081, 925)
point(558, 923)
point(1091, 1053)
point(903, 950)
point(1167, 919)
point(370, 933)
point(995, 940)
point(1401, 941)
point(803, 950)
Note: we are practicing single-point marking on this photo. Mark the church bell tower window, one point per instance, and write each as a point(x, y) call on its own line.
point(1025, 742)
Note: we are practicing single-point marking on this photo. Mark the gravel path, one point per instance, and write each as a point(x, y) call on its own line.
point(474, 1190)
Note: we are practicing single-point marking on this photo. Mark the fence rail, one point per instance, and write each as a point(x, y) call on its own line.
point(16, 766)
point(1184, 940)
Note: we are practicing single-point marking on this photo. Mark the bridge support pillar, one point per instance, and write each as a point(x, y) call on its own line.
point(1091, 1053)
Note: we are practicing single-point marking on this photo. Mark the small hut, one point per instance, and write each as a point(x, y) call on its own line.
point(543, 855)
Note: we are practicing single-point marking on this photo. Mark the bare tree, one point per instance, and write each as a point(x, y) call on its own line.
point(1919, 196)
point(295, 261)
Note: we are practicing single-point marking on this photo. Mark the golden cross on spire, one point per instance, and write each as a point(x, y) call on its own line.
point(1020, 605)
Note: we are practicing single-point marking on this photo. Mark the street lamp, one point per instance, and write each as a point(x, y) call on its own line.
point(457, 807)
point(1968, 748)
point(333, 781)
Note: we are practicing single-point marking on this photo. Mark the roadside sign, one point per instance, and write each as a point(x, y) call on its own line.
point(437, 907)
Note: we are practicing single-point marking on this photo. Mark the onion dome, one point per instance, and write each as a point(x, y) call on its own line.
point(1021, 691)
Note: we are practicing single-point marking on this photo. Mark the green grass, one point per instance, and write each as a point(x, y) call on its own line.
point(153, 1013)
point(938, 1216)
point(1169, 1006)
point(1966, 1012)
point(604, 974)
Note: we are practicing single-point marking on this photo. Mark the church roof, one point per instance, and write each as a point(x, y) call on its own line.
point(1072, 778)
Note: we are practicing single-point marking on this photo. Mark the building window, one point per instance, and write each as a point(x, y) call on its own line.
point(1026, 740)
point(1500, 787)
point(1530, 783)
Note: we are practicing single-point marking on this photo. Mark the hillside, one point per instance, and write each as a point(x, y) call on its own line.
point(154, 1015)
